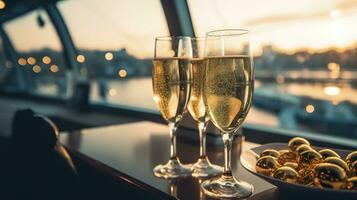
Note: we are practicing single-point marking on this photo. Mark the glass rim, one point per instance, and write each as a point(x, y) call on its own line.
point(227, 32)
point(170, 38)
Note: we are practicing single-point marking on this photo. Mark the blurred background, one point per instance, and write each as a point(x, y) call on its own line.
point(305, 54)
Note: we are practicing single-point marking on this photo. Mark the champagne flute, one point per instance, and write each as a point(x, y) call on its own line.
point(203, 167)
point(227, 93)
point(171, 78)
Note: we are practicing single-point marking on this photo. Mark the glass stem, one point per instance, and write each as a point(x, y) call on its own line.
point(173, 128)
point(227, 140)
point(202, 134)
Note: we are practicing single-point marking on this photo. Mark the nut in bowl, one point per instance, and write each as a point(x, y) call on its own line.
point(303, 168)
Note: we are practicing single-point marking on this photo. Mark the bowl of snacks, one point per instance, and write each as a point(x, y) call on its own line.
point(300, 167)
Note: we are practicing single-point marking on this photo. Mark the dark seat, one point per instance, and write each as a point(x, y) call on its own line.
point(34, 165)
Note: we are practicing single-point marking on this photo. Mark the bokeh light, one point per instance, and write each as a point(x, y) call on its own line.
point(22, 61)
point(46, 60)
point(54, 68)
point(2, 4)
point(310, 108)
point(37, 69)
point(31, 60)
point(108, 56)
point(332, 90)
point(112, 92)
point(122, 73)
point(334, 14)
point(81, 58)
point(280, 79)
point(8, 64)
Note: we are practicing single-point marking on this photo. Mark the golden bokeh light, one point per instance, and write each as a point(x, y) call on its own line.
point(46, 60)
point(31, 60)
point(122, 73)
point(37, 69)
point(54, 68)
point(112, 92)
point(81, 58)
point(310, 108)
point(2, 4)
point(22, 61)
point(108, 56)
point(333, 66)
point(334, 70)
point(280, 79)
point(332, 90)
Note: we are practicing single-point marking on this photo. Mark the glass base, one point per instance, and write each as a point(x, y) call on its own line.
point(226, 187)
point(172, 169)
point(204, 169)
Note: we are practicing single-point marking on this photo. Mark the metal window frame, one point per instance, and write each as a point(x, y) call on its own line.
point(69, 49)
point(12, 55)
point(178, 17)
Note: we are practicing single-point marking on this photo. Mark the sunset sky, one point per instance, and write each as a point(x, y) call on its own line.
point(112, 24)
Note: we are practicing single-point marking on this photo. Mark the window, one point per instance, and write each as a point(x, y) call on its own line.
point(115, 40)
point(305, 59)
point(8, 74)
point(40, 53)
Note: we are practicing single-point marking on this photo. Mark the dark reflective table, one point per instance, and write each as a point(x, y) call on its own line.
point(134, 149)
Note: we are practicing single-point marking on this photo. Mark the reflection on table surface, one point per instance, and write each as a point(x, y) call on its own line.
point(135, 148)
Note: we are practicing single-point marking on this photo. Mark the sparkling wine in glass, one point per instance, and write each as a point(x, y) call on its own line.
point(227, 93)
point(171, 78)
point(203, 167)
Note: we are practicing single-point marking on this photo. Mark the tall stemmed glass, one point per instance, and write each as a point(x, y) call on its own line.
point(203, 167)
point(171, 78)
point(227, 93)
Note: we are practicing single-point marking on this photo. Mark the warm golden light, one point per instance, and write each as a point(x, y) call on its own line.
point(122, 73)
point(334, 14)
point(2, 4)
point(36, 69)
point(81, 58)
point(300, 58)
point(310, 108)
point(54, 68)
point(31, 60)
point(332, 90)
point(280, 79)
point(334, 68)
point(22, 61)
point(112, 92)
point(108, 56)
point(46, 60)
point(171, 53)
